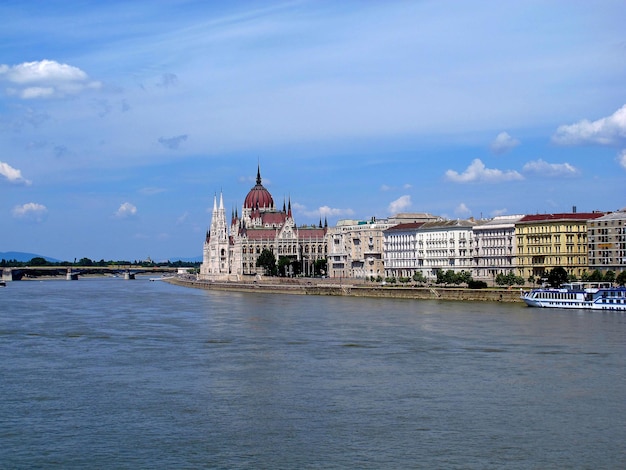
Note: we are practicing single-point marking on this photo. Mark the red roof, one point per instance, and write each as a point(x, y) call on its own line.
point(259, 196)
point(268, 234)
point(565, 216)
point(407, 226)
point(305, 233)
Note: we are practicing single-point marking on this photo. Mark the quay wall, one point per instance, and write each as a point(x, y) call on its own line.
point(357, 290)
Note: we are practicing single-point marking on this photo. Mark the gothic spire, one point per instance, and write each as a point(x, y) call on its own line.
point(258, 174)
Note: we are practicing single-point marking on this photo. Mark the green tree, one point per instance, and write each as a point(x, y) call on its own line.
point(596, 276)
point(557, 276)
point(621, 278)
point(464, 277)
point(267, 261)
point(283, 266)
point(419, 277)
point(38, 261)
point(320, 266)
point(609, 276)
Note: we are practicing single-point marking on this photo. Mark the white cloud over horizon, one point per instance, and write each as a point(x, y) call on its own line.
point(126, 210)
point(503, 143)
point(12, 174)
point(542, 168)
point(399, 205)
point(604, 131)
point(478, 172)
point(462, 210)
point(30, 211)
point(45, 78)
point(322, 211)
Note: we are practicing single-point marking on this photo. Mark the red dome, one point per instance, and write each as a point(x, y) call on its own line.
point(258, 196)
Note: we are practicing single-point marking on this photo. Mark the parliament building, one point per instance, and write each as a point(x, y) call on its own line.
point(231, 250)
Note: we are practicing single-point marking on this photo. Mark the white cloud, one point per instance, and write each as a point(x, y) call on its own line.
point(503, 143)
point(126, 210)
point(400, 204)
point(478, 172)
point(323, 211)
point(621, 159)
point(386, 187)
point(543, 168)
point(498, 212)
point(45, 78)
point(462, 210)
point(605, 131)
point(12, 174)
point(30, 211)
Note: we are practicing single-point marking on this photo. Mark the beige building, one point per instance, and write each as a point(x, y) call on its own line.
point(547, 241)
point(607, 242)
point(355, 248)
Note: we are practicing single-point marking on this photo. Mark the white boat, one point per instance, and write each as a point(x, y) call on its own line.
point(585, 295)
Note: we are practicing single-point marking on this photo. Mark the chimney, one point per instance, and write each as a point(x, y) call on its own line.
point(574, 209)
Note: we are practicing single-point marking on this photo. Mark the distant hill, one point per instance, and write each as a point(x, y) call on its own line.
point(23, 257)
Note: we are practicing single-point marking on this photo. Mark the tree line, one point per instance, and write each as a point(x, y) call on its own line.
point(86, 262)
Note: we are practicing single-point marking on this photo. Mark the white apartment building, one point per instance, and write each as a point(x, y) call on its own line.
point(428, 248)
point(495, 247)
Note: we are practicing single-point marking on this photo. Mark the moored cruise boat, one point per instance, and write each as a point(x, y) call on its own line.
point(589, 295)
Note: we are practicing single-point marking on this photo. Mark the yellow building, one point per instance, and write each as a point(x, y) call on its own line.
point(547, 241)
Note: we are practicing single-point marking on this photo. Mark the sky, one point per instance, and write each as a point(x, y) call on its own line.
point(121, 121)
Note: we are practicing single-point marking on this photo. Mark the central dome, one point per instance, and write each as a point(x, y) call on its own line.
point(258, 196)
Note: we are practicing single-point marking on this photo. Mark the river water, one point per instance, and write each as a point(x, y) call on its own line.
point(107, 373)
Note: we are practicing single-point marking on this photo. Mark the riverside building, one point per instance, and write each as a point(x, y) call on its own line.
point(231, 250)
point(428, 248)
point(495, 247)
point(547, 241)
point(607, 242)
point(356, 247)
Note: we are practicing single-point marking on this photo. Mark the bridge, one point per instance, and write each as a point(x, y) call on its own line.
point(73, 272)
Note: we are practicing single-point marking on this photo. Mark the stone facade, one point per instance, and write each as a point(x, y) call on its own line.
point(495, 247)
point(607, 242)
point(428, 248)
point(355, 249)
point(547, 241)
point(231, 250)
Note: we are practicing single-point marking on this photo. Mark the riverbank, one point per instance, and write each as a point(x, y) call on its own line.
point(352, 289)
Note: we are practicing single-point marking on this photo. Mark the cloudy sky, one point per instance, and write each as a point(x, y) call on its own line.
point(120, 121)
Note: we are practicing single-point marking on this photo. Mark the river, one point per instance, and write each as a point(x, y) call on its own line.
point(107, 373)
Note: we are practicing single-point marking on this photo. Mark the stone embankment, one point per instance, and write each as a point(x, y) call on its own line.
point(332, 287)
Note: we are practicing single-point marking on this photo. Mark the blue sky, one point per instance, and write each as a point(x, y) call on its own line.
point(120, 121)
